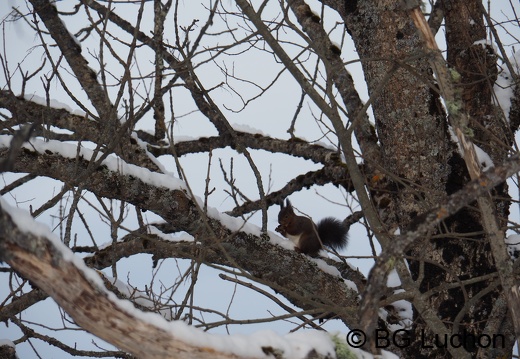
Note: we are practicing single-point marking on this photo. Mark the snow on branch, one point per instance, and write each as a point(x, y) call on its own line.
point(32, 250)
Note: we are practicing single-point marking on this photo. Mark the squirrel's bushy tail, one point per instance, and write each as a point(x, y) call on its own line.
point(333, 233)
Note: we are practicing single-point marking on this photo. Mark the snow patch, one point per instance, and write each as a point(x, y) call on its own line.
point(504, 86)
point(484, 43)
point(173, 237)
point(247, 129)
point(54, 104)
point(326, 267)
point(513, 246)
point(483, 157)
point(7, 342)
point(402, 307)
point(152, 158)
point(113, 163)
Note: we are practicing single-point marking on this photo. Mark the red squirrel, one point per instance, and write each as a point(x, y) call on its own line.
point(309, 238)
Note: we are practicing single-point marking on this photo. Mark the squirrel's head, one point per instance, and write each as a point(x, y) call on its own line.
point(286, 212)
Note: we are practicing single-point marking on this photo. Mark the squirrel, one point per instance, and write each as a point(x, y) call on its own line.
point(309, 238)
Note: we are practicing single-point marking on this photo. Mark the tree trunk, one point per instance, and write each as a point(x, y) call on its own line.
point(423, 164)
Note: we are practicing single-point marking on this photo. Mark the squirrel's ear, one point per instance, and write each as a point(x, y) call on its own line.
point(288, 203)
point(280, 203)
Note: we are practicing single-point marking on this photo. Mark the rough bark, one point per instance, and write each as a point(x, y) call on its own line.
point(422, 161)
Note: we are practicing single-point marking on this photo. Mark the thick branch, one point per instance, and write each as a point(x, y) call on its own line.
point(84, 129)
point(327, 51)
point(72, 52)
point(322, 291)
point(49, 265)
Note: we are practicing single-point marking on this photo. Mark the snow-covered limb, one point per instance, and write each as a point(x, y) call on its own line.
point(165, 196)
point(7, 349)
point(40, 256)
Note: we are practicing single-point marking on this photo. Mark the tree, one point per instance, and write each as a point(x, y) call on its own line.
point(424, 172)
